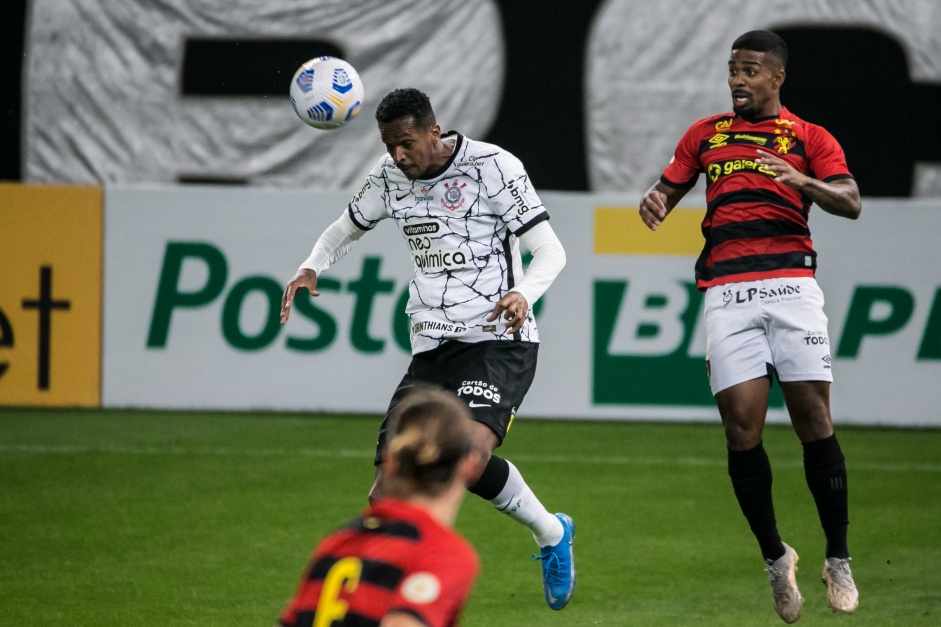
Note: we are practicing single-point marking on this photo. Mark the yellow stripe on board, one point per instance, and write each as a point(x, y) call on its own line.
point(50, 294)
point(620, 231)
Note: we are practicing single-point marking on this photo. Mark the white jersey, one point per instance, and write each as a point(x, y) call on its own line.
point(461, 228)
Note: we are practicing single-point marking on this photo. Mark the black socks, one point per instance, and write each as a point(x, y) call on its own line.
point(825, 470)
point(492, 479)
point(751, 479)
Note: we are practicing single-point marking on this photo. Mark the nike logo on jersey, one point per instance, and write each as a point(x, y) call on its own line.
point(473, 404)
point(402, 197)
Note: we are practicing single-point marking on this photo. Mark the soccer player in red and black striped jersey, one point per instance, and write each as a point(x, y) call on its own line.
point(764, 168)
point(401, 564)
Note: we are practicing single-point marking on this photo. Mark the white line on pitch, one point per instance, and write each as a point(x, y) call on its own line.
point(39, 449)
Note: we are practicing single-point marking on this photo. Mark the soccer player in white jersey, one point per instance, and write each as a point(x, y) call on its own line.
point(463, 208)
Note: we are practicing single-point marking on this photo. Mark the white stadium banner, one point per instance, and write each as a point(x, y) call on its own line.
point(103, 99)
point(193, 279)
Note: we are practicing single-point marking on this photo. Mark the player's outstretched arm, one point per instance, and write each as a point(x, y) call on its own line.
point(331, 246)
point(305, 277)
point(658, 202)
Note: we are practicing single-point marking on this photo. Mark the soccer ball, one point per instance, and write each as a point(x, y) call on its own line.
point(326, 92)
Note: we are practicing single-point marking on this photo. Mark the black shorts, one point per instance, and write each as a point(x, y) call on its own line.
point(492, 377)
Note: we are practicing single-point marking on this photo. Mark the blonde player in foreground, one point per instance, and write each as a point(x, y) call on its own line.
point(401, 564)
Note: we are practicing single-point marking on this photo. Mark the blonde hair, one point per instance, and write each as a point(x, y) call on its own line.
point(429, 433)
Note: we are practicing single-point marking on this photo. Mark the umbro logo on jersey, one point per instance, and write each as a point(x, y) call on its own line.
point(718, 140)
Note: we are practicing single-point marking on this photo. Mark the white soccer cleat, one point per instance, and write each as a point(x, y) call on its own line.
point(788, 602)
point(841, 589)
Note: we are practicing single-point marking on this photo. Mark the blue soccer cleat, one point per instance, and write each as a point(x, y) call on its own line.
point(558, 566)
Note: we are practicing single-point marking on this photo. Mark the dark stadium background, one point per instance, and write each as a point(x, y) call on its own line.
point(894, 121)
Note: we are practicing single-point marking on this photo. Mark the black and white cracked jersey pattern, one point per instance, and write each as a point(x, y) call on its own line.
point(461, 229)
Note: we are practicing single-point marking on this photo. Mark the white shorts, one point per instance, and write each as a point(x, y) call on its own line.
point(754, 326)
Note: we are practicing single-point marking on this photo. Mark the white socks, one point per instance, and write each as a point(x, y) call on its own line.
point(517, 501)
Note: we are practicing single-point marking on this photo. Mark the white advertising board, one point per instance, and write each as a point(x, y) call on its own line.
point(193, 280)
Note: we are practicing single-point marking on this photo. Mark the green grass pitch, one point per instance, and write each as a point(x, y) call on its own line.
point(176, 518)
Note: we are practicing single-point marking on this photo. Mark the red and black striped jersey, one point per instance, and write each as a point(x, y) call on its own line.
point(755, 228)
point(395, 558)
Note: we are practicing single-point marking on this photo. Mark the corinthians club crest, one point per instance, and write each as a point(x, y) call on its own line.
point(453, 196)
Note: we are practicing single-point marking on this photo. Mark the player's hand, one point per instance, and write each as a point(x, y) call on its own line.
point(304, 278)
point(513, 307)
point(783, 171)
point(653, 208)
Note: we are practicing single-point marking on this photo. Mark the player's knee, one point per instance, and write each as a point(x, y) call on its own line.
point(741, 434)
point(813, 426)
point(482, 458)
